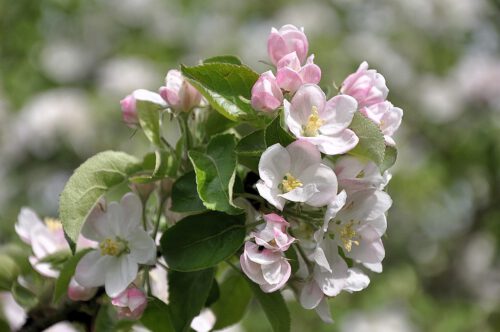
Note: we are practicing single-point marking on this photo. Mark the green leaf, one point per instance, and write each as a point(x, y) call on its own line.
point(89, 182)
point(371, 141)
point(214, 294)
point(291, 256)
point(274, 307)
point(185, 195)
point(8, 272)
point(156, 317)
point(188, 292)
point(149, 106)
point(215, 173)
point(390, 156)
point(156, 166)
point(227, 87)
point(224, 59)
point(250, 148)
point(106, 319)
point(201, 241)
point(275, 133)
point(23, 296)
point(67, 273)
point(235, 295)
point(216, 123)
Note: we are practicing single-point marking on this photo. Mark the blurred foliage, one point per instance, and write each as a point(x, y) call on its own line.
point(64, 65)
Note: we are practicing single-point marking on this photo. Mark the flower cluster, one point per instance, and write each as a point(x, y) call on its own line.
point(336, 207)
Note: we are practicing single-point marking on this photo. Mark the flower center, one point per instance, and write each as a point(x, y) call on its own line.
point(53, 224)
point(348, 235)
point(289, 183)
point(113, 247)
point(313, 124)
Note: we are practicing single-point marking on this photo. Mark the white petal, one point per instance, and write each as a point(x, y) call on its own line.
point(97, 226)
point(149, 96)
point(338, 114)
point(91, 270)
point(307, 97)
point(293, 125)
point(319, 257)
point(325, 181)
point(274, 164)
point(271, 195)
point(310, 295)
point(142, 247)
point(375, 267)
point(286, 271)
point(27, 221)
point(204, 322)
point(356, 281)
point(252, 270)
point(263, 257)
point(323, 311)
point(132, 211)
point(302, 155)
point(301, 194)
point(119, 274)
point(334, 207)
point(337, 144)
point(272, 272)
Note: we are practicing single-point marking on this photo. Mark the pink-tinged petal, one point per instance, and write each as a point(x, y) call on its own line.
point(324, 180)
point(333, 145)
point(377, 111)
point(129, 111)
point(367, 205)
point(323, 311)
point(303, 155)
point(276, 46)
point(356, 281)
point(318, 256)
point(45, 242)
point(310, 73)
point(288, 79)
point(366, 86)
point(338, 114)
point(261, 256)
point(271, 195)
point(142, 247)
point(274, 164)
point(307, 97)
point(286, 40)
point(27, 221)
point(120, 273)
point(132, 211)
point(252, 270)
point(45, 269)
point(97, 226)
point(77, 292)
point(391, 121)
point(266, 93)
point(310, 295)
point(148, 96)
point(367, 251)
point(115, 217)
point(301, 194)
point(379, 224)
point(286, 271)
point(331, 283)
point(294, 126)
point(272, 272)
point(291, 61)
point(91, 270)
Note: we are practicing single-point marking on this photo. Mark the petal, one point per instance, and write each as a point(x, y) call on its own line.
point(27, 221)
point(325, 182)
point(274, 164)
point(119, 274)
point(375, 267)
point(293, 125)
point(302, 155)
point(252, 270)
point(310, 295)
point(288, 79)
point(307, 97)
point(142, 247)
point(271, 195)
point(262, 257)
point(100, 225)
point(272, 272)
point(391, 121)
point(367, 205)
point(301, 194)
point(356, 281)
point(204, 322)
point(333, 208)
point(286, 271)
point(289, 61)
point(148, 96)
point(132, 211)
point(333, 145)
point(310, 73)
point(91, 270)
point(323, 311)
point(338, 114)
point(319, 258)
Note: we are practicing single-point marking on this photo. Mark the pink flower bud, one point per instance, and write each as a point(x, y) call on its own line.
point(130, 303)
point(129, 111)
point(77, 292)
point(291, 75)
point(266, 94)
point(366, 86)
point(273, 235)
point(178, 93)
point(286, 40)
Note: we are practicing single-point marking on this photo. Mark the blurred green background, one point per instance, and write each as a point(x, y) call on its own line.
point(64, 66)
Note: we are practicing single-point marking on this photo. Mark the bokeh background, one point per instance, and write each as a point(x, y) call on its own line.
point(64, 66)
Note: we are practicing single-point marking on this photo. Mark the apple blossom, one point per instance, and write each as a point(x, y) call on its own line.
point(273, 235)
point(77, 292)
point(322, 123)
point(366, 86)
point(359, 226)
point(266, 267)
point(355, 174)
point(266, 94)
point(179, 94)
point(130, 303)
point(387, 117)
point(123, 244)
point(291, 75)
point(286, 40)
point(295, 173)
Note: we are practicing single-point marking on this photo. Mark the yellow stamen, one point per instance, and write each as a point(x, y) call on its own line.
point(53, 224)
point(314, 122)
point(289, 183)
point(112, 247)
point(348, 235)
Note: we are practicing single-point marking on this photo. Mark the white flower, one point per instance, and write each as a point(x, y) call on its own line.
point(354, 174)
point(123, 245)
point(359, 226)
point(295, 173)
point(323, 123)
